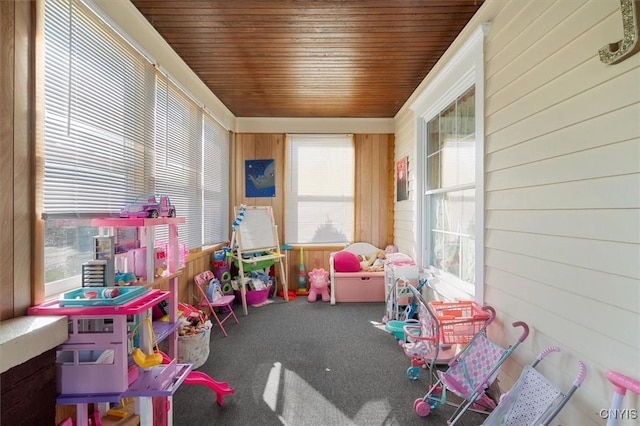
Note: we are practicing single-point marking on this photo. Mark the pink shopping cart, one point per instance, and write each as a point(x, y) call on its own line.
point(533, 400)
point(470, 374)
point(621, 384)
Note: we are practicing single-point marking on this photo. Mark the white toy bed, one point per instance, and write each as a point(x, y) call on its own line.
point(356, 286)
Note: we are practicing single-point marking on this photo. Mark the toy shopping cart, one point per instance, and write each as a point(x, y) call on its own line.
point(533, 400)
point(621, 384)
point(459, 321)
point(470, 374)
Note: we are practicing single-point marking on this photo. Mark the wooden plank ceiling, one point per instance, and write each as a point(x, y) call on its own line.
point(310, 58)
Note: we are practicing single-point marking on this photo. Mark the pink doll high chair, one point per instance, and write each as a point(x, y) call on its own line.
point(319, 285)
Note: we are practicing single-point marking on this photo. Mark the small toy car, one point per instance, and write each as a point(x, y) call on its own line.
point(149, 205)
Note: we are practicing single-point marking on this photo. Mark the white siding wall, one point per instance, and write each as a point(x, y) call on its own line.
point(562, 165)
point(404, 227)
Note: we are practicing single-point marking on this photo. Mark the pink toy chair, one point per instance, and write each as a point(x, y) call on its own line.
point(225, 302)
point(319, 285)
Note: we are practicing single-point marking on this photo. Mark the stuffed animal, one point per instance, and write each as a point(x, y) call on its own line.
point(376, 262)
point(319, 285)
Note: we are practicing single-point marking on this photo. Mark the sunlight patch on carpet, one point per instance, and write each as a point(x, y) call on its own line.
point(378, 325)
point(270, 394)
point(300, 404)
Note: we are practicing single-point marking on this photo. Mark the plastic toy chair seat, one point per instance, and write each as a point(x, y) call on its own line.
point(224, 304)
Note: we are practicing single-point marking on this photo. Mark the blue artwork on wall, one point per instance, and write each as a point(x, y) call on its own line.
point(260, 178)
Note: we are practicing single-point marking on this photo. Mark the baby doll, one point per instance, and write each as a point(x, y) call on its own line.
point(376, 262)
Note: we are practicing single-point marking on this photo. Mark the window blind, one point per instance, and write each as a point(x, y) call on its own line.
point(178, 156)
point(98, 118)
point(115, 128)
point(320, 188)
point(215, 181)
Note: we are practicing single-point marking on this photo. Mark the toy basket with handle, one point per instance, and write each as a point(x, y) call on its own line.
point(459, 321)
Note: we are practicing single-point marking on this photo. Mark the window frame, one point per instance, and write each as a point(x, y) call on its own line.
point(464, 70)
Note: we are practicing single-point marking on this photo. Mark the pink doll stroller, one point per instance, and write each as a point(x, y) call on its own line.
point(470, 374)
point(533, 400)
point(423, 339)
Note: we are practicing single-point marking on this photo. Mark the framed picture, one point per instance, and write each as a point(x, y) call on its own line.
point(401, 178)
point(260, 178)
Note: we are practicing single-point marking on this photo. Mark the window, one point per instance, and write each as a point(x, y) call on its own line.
point(450, 188)
point(450, 148)
point(114, 128)
point(320, 181)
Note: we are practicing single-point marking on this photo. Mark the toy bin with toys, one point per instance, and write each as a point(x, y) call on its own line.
point(258, 288)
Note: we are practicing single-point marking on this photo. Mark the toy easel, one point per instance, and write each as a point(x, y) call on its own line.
point(255, 232)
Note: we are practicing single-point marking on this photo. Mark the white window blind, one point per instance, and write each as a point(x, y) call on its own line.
point(98, 126)
point(320, 188)
point(179, 157)
point(215, 182)
point(116, 128)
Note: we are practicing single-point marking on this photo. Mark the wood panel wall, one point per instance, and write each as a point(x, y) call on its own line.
point(16, 156)
point(374, 191)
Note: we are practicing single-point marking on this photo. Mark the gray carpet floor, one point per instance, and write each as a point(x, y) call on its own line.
point(302, 363)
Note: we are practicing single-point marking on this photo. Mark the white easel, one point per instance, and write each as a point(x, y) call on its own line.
point(255, 231)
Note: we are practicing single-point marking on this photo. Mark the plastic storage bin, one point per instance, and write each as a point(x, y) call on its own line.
point(254, 297)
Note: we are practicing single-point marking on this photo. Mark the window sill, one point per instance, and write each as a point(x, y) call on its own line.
point(23, 338)
point(450, 287)
point(331, 247)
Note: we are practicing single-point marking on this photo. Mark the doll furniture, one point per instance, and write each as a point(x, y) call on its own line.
point(224, 304)
point(351, 284)
point(93, 364)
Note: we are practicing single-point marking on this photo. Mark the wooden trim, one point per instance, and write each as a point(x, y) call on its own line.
point(16, 155)
point(7, 146)
point(390, 174)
